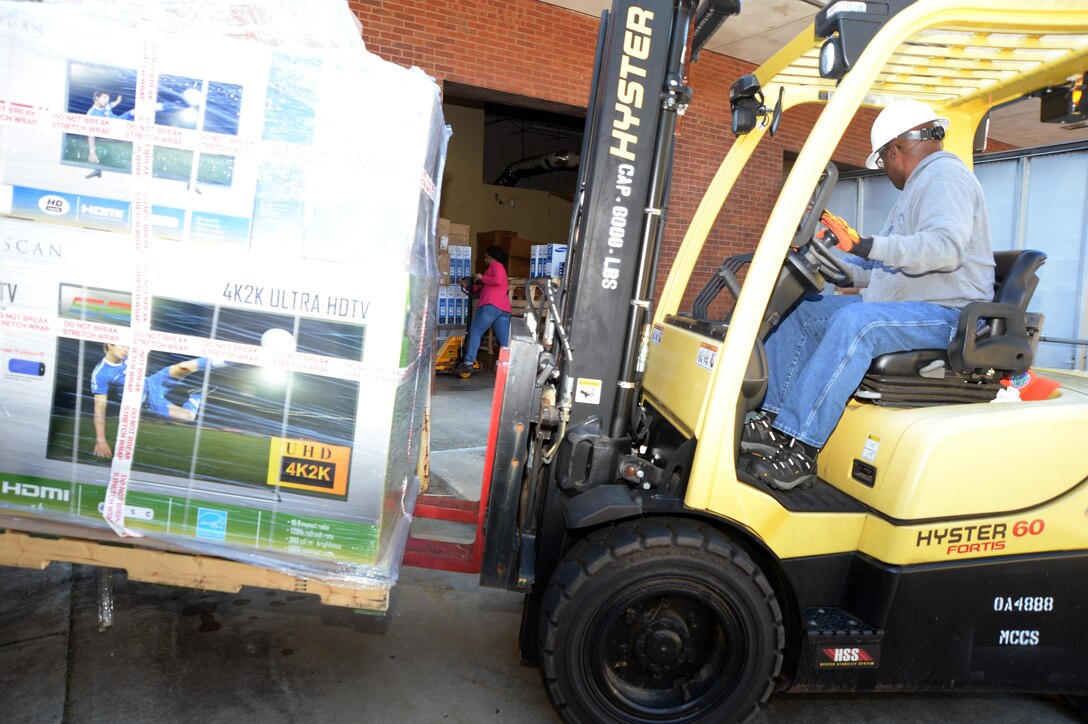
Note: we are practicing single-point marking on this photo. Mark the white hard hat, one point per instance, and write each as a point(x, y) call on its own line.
point(898, 118)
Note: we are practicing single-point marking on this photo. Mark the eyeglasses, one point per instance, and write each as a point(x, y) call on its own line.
point(881, 153)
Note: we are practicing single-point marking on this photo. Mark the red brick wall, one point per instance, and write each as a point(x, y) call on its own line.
point(534, 49)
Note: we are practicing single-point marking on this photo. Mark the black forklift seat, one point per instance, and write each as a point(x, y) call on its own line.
point(991, 342)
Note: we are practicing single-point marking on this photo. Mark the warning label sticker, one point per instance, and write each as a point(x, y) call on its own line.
point(588, 391)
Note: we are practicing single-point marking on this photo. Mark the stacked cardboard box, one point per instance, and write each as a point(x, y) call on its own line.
point(454, 251)
point(459, 234)
point(219, 280)
point(454, 264)
point(518, 250)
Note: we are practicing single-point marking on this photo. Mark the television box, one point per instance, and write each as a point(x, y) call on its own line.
point(218, 281)
point(554, 261)
point(548, 260)
point(445, 293)
point(460, 261)
point(455, 263)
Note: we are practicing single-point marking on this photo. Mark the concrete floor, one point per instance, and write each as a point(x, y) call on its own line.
point(445, 652)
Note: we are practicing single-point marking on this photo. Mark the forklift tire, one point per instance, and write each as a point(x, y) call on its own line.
point(659, 620)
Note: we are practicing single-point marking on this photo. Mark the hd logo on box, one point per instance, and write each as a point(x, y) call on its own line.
point(309, 466)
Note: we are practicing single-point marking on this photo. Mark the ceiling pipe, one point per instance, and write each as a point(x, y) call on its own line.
point(537, 165)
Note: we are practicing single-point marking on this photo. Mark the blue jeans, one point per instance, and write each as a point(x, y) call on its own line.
point(156, 387)
point(819, 354)
point(487, 315)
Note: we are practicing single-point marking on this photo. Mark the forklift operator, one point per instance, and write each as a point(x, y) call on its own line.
point(932, 257)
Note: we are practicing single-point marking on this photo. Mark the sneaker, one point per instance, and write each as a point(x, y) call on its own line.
point(463, 369)
point(789, 467)
point(758, 436)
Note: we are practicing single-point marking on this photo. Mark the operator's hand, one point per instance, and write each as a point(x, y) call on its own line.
point(102, 450)
point(846, 236)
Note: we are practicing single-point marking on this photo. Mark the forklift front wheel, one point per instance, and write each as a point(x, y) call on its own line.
point(658, 620)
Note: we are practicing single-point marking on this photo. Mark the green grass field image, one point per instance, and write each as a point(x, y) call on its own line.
point(242, 409)
point(170, 448)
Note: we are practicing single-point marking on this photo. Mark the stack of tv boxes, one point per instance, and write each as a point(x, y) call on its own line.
point(454, 264)
point(547, 260)
point(217, 281)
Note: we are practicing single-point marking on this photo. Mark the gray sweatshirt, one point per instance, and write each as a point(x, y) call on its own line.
point(935, 245)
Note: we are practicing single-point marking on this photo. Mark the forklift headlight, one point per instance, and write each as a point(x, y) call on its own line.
point(746, 101)
point(832, 63)
point(744, 118)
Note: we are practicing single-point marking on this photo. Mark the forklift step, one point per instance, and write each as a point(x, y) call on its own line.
point(839, 644)
point(836, 622)
point(820, 498)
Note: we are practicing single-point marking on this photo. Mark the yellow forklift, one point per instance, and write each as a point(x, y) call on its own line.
point(945, 544)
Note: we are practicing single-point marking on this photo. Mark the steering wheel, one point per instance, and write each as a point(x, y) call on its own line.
point(831, 266)
point(816, 207)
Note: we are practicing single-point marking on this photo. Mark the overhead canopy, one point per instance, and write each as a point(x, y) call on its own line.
point(966, 56)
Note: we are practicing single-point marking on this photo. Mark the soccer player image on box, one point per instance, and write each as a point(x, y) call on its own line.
point(111, 372)
point(103, 108)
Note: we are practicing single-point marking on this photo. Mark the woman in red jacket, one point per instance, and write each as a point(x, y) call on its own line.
point(493, 310)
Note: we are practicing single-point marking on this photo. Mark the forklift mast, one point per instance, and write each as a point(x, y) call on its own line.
point(589, 378)
point(638, 97)
point(639, 94)
point(629, 144)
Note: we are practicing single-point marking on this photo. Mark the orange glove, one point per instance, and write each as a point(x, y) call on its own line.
point(846, 236)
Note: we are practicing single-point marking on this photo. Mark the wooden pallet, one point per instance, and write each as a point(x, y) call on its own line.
point(206, 573)
point(519, 305)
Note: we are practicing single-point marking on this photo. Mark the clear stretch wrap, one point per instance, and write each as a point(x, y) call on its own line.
point(217, 280)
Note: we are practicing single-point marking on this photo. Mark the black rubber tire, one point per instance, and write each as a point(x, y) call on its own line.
point(619, 621)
